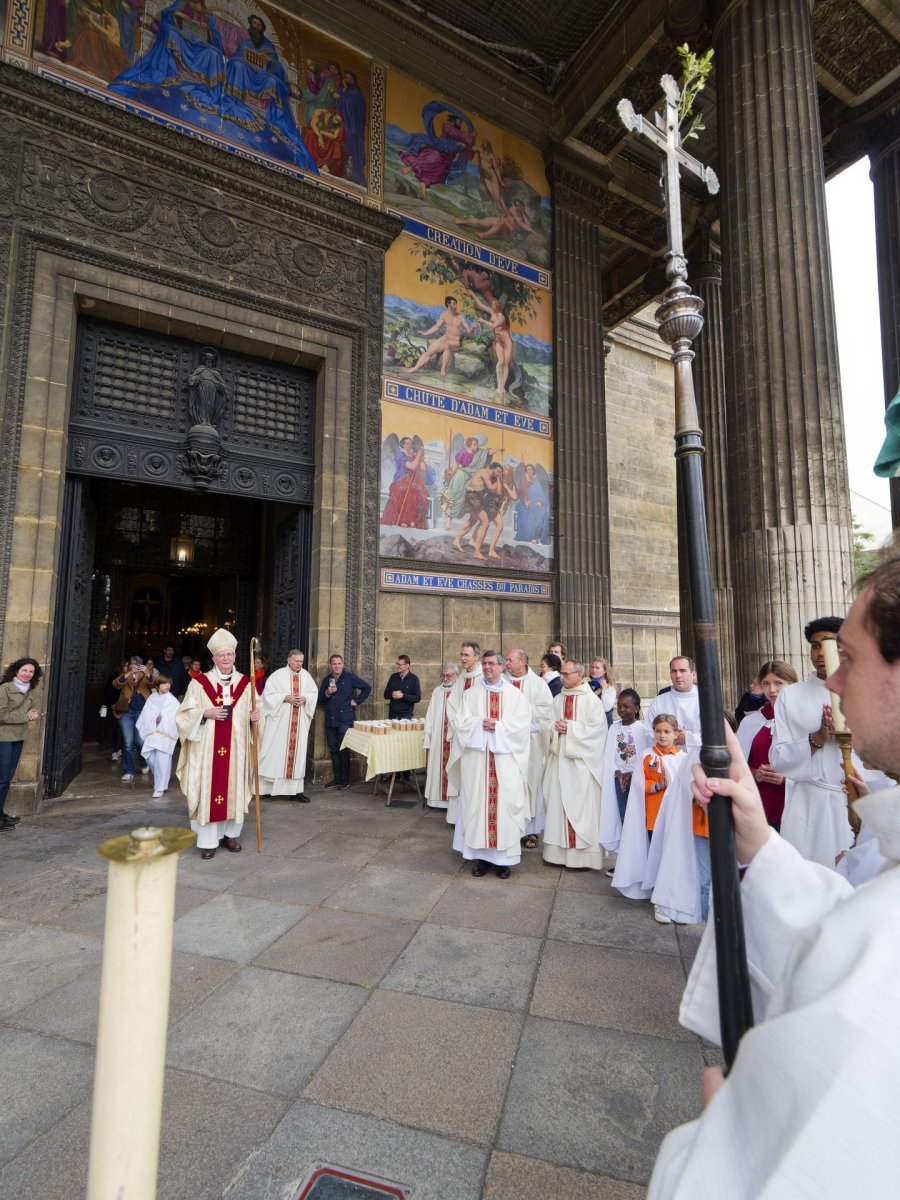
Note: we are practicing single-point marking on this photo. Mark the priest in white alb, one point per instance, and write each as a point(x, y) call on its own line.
point(289, 703)
point(804, 750)
point(470, 674)
point(682, 700)
point(573, 776)
point(437, 739)
point(216, 721)
point(539, 696)
point(809, 1107)
point(491, 729)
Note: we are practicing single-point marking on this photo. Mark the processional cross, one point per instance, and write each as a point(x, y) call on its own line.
point(680, 321)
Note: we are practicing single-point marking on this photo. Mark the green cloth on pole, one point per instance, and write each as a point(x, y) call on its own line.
point(887, 464)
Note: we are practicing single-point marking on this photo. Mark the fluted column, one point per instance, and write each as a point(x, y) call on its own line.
point(705, 272)
point(885, 159)
point(791, 544)
point(582, 500)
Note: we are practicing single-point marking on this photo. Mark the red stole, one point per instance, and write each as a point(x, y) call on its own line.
point(292, 732)
point(569, 715)
point(445, 748)
point(493, 786)
point(221, 765)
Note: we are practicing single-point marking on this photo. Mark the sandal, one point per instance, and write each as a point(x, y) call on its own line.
point(531, 842)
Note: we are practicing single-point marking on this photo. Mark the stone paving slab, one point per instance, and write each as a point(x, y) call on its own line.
point(264, 1029)
point(602, 921)
point(90, 917)
point(473, 966)
point(192, 1163)
point(435, 1168)
point(618, 989)
point(420, 852)
point(235, 927)
point(409, 895)
point(344, 946)
point(36, 961)
point(283, 881)
point(54, 1075)
point(346, 848)
point(512, 1175)
point(427, 1063)
point(490, 903)
point(44, 895)
point(597, 1099)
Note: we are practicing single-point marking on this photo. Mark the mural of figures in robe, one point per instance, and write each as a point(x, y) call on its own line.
point(446, 166)
point(464, 492)
point(239, 72)
point(452, 325)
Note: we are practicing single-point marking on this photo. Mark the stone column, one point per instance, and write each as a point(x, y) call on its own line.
point(885, 159)
point(582, 500)
point(705, 273)
point(791, 543)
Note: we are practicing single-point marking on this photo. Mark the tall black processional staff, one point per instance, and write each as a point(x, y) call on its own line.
point(680, 321)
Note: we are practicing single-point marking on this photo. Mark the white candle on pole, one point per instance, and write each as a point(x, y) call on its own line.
point(832, 662)
point(134, 1013)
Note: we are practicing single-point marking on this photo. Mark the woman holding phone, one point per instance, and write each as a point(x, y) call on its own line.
point(17, 710)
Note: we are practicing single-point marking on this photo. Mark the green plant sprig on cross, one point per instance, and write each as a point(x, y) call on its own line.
point(696, 69)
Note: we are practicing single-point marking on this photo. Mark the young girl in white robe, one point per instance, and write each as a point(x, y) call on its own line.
point(156, 725)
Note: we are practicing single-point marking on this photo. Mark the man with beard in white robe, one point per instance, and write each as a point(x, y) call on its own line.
point(573, 776)
point(289, 702)
point(215, 721)
point(470, 674)
point(538, 695)
point(804, 750)
point(491, 733)
point(809, 1108)
point(683, 701)
point(437, 739)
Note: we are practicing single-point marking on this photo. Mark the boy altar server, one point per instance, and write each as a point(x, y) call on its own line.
point(156, 725)
point(215, 723)
point(491, 729)
point(574, 774)
point(289, 702)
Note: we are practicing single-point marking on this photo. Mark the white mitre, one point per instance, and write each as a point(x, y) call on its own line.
point(221, 640)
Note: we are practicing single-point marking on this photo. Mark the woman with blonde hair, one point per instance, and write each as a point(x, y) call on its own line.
point(755, 735)
point(604, 685)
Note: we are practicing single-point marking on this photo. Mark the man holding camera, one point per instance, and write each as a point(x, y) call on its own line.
point(215, 723)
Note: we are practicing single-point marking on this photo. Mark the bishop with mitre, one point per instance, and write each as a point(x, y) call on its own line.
point(215, 723)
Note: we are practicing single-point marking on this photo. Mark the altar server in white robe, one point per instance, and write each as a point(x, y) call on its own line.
point(677, 872)
point(289, 702)
point(683, 701)
point(809, 1108)
point(804, 750)
point(214, 722)
point(573, 775)
point(469, 675)
point(156, 725)
point(539, 696)
point(437, 739)
point(491, 733)
point(627, 742)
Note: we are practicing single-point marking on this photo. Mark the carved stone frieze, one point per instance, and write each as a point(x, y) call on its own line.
point(99, 197)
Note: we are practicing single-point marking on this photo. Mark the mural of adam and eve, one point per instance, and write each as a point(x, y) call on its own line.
point(454, 326)
point(456, 492)
point(448, 167)
point(243, 73)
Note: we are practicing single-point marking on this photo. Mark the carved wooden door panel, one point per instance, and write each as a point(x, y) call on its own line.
point(290, 603)
point(68, 664)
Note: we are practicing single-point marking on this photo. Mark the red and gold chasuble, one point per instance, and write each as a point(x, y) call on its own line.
point(218, 792)
point(569, 714)
point(494, 712)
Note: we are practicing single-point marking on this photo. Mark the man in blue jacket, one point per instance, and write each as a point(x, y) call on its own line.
point(339, 695)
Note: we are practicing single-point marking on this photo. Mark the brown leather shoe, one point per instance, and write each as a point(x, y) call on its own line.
point(231, 844)
point(207, 853)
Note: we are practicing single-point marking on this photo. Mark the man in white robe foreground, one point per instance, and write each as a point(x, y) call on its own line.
point(804, 750)
point(289, 703)
point(437, 739)
point(573, 776)
point(469, 675)
point(539, 696)
point(809, 1109)
point(491, 731)
point(215, 721)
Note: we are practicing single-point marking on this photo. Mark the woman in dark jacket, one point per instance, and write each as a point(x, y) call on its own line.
point(17, 709)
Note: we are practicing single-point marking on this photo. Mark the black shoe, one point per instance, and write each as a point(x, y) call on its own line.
point(479, 868)
point(333, 783)
point(6, 826)
point(303, 798)
point(503, 872)
point(10, 819)
point(342, 787)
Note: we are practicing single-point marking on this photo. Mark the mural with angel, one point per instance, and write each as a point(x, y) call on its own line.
point(411, 480)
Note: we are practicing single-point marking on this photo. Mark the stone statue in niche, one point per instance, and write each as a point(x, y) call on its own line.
point(202, 458)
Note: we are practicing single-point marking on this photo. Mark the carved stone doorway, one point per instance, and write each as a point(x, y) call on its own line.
point(149, 565)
